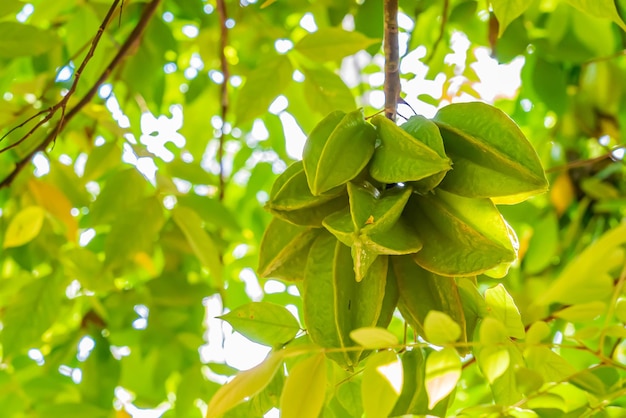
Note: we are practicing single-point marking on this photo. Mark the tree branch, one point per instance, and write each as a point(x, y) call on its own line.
point(221, 8)
point(392, 60)
point(62, 104)
point(122, 52)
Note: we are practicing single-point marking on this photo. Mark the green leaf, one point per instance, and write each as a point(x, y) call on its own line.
point(582, 312)
point(382, 384)
point(502, 307)
point(20, 40)
point(374, 337)
point(574, 286)
point(290, 191)
point(332, 44)
point(245, 385)
point(335, 303)
point(8, 7)
point(599, 8)
point(372, 226)
point(284, 250)
point(24, 227)
point(461, 236)
point(507, 11)
point(326, 92)
point(122, 191)
point(440, 329)
point(402, 156)
point(305, 389)
point(443, 371)
point(426, 131)
point(142, 223)
point(264, 323)
point(422, 291)
point(32, 311)
point(262, 86)
point(331, 160)
point(491, 156)
point(100, 373)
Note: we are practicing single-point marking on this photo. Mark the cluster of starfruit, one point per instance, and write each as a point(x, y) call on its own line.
point(378, 216)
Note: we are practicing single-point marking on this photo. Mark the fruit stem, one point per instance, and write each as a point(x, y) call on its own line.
point(392, 60)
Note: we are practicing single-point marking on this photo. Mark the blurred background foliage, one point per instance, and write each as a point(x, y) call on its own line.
point(142, 219)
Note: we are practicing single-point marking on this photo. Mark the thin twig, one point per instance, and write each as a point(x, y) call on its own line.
point(221, 8)
point(62, 104)
point(442, 32)
point(392, 59)
point(147, 14)
point(583, 163)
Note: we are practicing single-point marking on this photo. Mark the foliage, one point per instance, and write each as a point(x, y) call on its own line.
point(142, 216)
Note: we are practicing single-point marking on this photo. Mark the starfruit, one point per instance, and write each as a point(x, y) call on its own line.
point(492, 157)
point(291, 199)
point(402, 157)
point(422, 291)
point(334, 303)
point(461, 236)
point(426, 131)
point(284, 250)
point(337, 150)
point(372, 225)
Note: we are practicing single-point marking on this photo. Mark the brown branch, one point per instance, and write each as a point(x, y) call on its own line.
point(62, 104)
point(221, 9)
point(122, 52)
point(392, 59)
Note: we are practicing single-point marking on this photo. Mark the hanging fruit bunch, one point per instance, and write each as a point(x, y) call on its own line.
point(378, 216)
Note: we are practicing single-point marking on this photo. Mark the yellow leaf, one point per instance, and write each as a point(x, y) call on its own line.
point(24, 227)
point(562, 193)
point(245, 385)
point(54, 201)
point(305, 389)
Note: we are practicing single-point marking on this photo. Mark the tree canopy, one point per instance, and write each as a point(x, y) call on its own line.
point(158, 201)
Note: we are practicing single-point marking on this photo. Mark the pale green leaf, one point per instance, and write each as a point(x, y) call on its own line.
point(326, 92)
point(537, 332)
point(305, 389)
point(503, 308)
point(332, 44)
point(382, 384)
point(440, 329)
point(24, 227)
point(18, 40)
point(264, 323)
point(599, 8)
point(244, 385)
point(620, 310)
point(551, 366)
point(201, 243)
point(262, 86)
point(493, 361)
point(582, 312)
point(492, 331)
point(374, 337)
point(507, 11)
point(586, 278)
point(547, 401)
point(443, 371)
